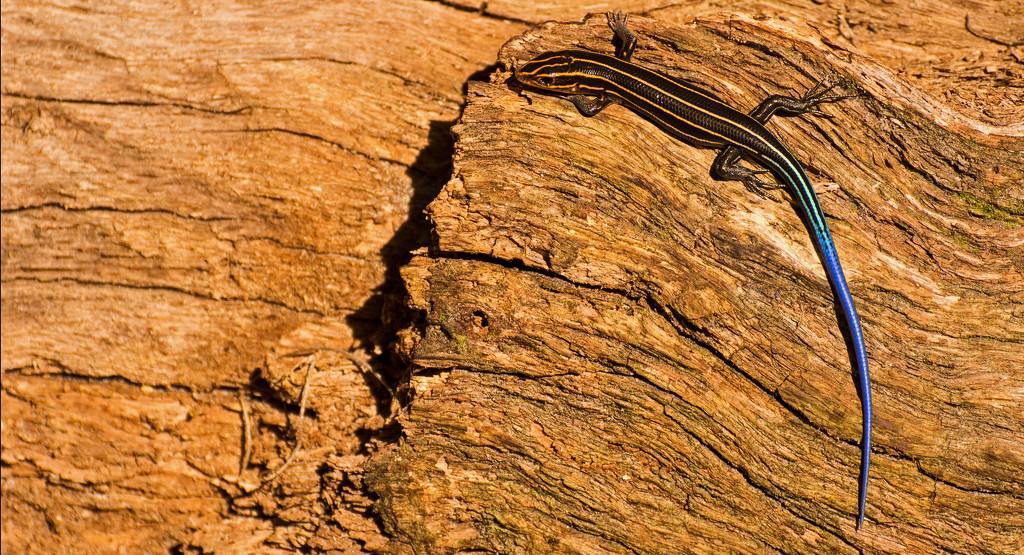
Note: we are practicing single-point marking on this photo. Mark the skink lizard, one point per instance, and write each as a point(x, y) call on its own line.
point(592, 81)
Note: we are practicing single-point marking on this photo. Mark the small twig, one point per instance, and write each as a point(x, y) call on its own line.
point(310, 365)
point(363, 366)
point(246, 435)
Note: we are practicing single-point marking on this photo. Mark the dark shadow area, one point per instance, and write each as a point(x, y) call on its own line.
point(377, 323)
point(376, 326)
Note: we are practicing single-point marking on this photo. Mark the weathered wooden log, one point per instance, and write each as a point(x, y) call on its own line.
point(190, 194)
point(206, 207)
point(620, 354)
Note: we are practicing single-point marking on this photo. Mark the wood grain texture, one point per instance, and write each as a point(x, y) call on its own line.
point(206, 207)
point(622, 355)
point(191, 192)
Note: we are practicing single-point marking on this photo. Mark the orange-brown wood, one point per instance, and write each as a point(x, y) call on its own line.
point(211, 217)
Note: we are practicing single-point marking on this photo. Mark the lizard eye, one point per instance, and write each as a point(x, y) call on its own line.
point(545, 80)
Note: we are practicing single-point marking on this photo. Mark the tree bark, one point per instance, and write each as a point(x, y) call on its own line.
point(212, 215)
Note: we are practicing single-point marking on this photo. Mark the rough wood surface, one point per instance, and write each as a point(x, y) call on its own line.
point(622, 355)
point(205, 209)
point(190, 193)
